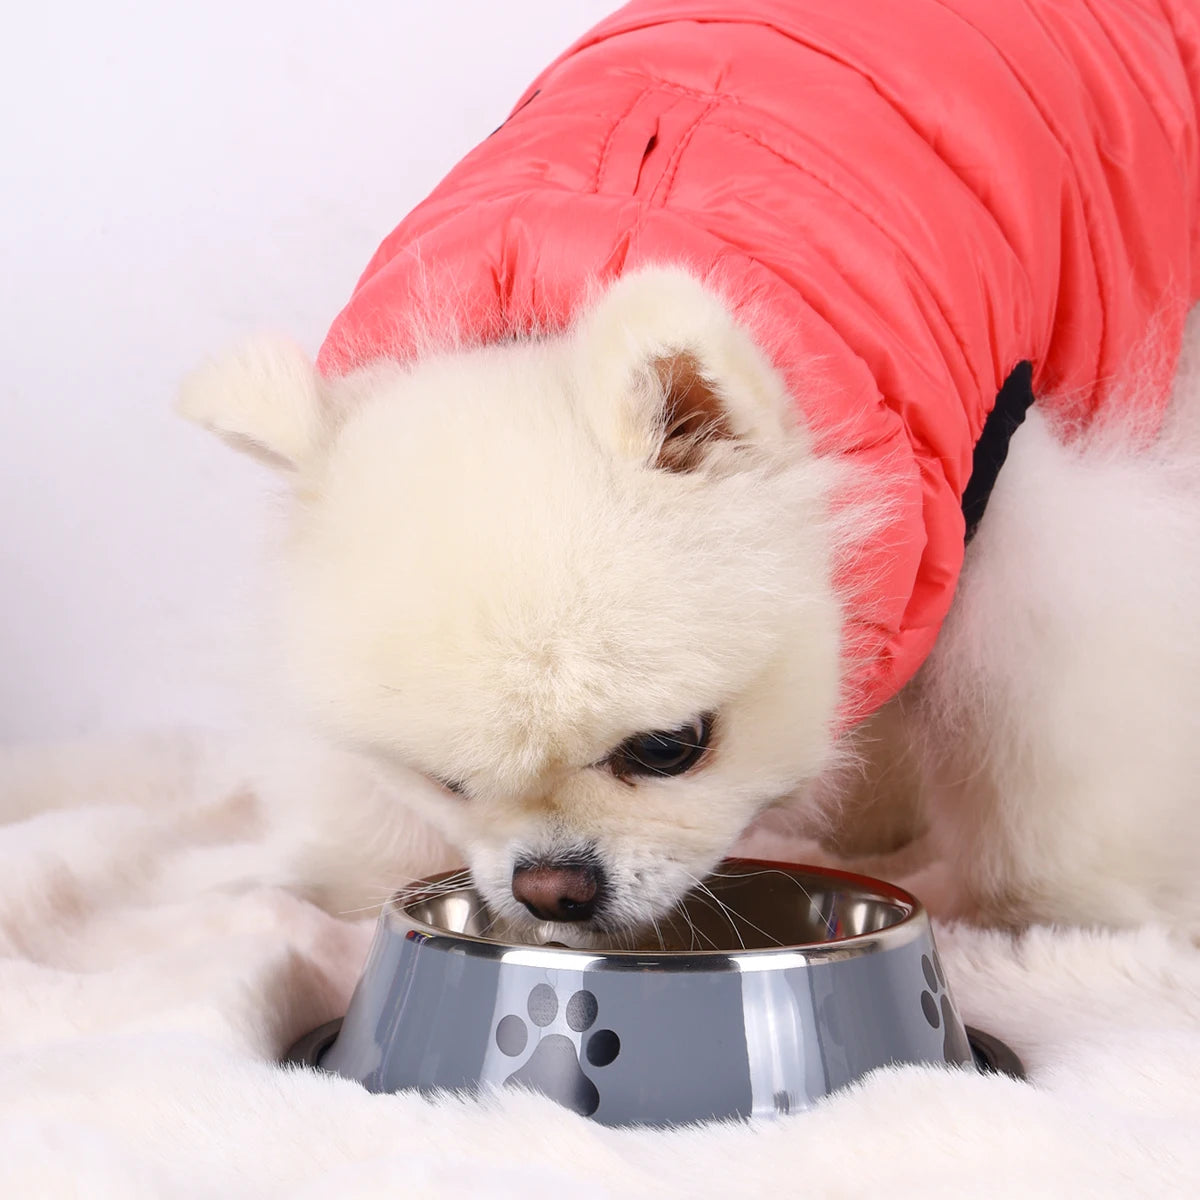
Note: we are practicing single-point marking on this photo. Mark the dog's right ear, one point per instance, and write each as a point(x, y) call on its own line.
point(264, 399)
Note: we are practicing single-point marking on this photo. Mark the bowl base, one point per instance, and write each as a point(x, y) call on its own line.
point(992, 1056)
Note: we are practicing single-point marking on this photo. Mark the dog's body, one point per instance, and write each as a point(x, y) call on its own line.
point(630, 566)
point(1051, 738)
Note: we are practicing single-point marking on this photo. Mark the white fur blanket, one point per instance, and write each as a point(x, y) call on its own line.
point(157, 955)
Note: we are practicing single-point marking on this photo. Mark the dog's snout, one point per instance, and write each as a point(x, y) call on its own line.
point(558, 891)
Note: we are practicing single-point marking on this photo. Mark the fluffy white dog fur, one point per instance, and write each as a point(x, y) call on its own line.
point(505, 560)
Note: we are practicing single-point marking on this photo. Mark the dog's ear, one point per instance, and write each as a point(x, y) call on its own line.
point(692, 412)
point(264, 399)
point(668, 375)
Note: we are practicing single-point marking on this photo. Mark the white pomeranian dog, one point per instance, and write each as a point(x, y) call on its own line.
point(586, 583)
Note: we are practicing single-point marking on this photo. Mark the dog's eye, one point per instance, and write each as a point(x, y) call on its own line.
point(665, 752)
point(452, 785)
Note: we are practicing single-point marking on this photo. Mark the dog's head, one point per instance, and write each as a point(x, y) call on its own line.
point(583, 582)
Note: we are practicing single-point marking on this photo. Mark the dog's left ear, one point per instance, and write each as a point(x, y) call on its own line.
point(264, 399)
point(668, 376)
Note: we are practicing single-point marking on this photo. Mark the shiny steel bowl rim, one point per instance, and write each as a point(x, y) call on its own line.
point(909, 927)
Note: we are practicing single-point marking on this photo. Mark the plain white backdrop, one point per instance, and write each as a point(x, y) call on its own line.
point(173, 177)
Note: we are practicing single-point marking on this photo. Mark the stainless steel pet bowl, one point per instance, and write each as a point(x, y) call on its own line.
point(780, 986)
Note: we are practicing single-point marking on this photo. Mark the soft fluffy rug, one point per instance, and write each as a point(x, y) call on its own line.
point(162, 942)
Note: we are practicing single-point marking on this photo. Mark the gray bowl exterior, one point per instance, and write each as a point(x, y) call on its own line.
point(659, 1040)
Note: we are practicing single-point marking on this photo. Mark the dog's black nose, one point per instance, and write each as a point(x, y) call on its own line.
point(558, 891)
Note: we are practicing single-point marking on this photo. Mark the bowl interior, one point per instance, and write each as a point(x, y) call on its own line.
point(742, 906)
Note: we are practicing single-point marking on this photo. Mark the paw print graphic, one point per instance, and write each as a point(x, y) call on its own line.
point(554, 1067)
point(939, 1011)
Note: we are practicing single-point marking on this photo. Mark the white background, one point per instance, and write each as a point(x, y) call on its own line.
point(174, 176)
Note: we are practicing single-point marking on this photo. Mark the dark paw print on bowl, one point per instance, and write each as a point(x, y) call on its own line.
point(939, 1012)
point(554, 1067)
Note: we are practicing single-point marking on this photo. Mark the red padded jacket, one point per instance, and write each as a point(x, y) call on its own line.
point(916, 194)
